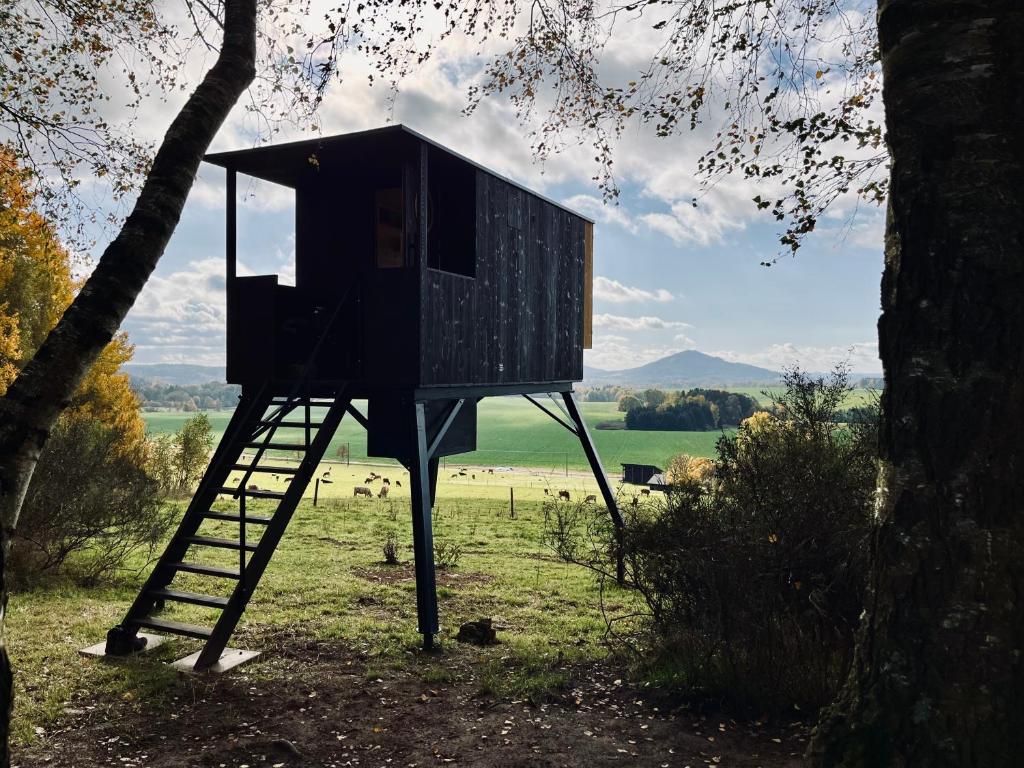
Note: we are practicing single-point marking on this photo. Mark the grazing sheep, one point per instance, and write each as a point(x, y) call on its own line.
point(490, 471)
point(287, 480)
point(564, 495)
point(645, 492)
point(454, 477)
point(362, 490)
point(368, 480)
point(383, 492)
point(462, 473)
point(591, 499)
point(327, 473)
point(546, 493)
point(473, 477)
point(325, 481)
point(254, 487)
point(398, 483)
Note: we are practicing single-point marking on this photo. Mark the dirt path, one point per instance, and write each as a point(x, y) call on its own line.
point(317, 706)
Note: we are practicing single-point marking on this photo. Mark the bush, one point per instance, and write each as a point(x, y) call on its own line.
point(178, 461)
point(390, 547)
point(90, 503)
point(754, 582)
point(447, 554)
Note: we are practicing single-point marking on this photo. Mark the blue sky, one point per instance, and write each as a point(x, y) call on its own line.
point(668, 277)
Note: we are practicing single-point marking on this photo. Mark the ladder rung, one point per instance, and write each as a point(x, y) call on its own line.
point(174, 627)
point(212, 541)
point(290, 424)
point(252, 494)
point(210, 601)
point(278, 446)
point(234, 517)
point(301, 401)
point(267, 469)
point(206, 570)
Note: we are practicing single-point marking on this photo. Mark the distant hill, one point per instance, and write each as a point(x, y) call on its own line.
point(178, 374)
point(683, 369)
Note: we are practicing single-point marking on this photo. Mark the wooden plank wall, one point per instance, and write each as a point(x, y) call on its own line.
point(520, 320)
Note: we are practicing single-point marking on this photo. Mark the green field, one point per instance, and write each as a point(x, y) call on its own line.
point(512, 432)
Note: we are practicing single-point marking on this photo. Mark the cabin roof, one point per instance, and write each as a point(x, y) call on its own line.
point(289, 163)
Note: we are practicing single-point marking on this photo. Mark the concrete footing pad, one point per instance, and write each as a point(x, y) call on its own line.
point(100, 649)
point(229, 659)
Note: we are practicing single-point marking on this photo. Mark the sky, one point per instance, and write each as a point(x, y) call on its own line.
point(668, 276)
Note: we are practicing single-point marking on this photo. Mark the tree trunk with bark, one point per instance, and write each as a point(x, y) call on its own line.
point(43, 388)
point(937, 679)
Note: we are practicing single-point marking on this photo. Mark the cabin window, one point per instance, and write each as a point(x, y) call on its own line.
point(265, 229)
point(451, 214)
point(390, 232)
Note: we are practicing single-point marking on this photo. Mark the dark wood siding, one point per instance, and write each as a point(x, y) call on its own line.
point(520, 320)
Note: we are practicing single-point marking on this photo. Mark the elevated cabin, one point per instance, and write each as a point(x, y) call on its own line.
point(427, 270)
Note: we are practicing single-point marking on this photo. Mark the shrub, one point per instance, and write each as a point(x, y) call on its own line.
point(178, 461)
point(755, 582)
point(390, 547)
point(90, 503)
point(447, 553)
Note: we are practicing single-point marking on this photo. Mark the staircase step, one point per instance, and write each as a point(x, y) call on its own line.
point(206, 570)
point(266, 470)
point(210, 601)
point(212, 541)
point(234, 517)
point(278, 446)
point(261, 494)
point(290, 424)
point(174, 627)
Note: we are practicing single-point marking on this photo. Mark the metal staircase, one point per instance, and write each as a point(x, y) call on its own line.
point(251, 435)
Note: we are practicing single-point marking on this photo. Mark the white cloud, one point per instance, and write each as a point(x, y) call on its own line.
point(602, 212)
point(862, 357)
point(685, 341)
point(612, 353)
point(644, 323)
point(612, 290)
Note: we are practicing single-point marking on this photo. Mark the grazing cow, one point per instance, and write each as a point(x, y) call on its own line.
point(462, 473)
point(490, 471)
point(383, 492)
point(635, 501)
point(362, 490)
point(645, 492)
point(386, 481)
point(546, 492)
point(398, 483)
point(254, 487)
point(563, 495)
point(368, 480)
point(591, 499)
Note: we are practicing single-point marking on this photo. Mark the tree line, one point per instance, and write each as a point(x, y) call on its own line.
point(157, 396)
point(691, 410)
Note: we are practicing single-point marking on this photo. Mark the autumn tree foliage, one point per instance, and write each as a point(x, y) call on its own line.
point(94, 473)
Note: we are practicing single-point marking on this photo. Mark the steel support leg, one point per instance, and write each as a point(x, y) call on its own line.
point(423, 476)
point(602, 482)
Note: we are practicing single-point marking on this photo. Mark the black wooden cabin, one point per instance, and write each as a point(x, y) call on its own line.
point(423, 283)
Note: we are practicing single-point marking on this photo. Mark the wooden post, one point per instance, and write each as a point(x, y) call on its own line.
point(423, 474)
point(316, 491)
point(232, 228)
point(512, 503)
point(602, 482)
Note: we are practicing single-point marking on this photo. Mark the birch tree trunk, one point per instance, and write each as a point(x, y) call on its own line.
point(937, 679)
point(43, 388)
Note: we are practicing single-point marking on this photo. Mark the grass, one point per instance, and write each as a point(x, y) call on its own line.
point(328, 581)
point(512, 432)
